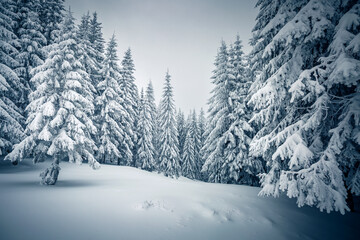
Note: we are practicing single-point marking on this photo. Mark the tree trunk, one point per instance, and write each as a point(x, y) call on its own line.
point(350, 201)
point(50, 175)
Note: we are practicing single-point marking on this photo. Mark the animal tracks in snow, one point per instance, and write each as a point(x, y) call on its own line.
point(215, 213)
point(153, 204)
point(200, 210)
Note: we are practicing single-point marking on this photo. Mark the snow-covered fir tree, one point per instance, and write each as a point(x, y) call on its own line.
point(51, 14)
point(145, 150)
point(343, 83)
point(243, 168)
point(221, 140)
point(329, 96)
point(113, 118)
point(156, 139)
point(291, 116)
point(11, 118)
point(31, 40)
point(191, 160)
point(149, 96)
point(89, 57)
point(96, 37)
point(182, 129)
point(130, 103)
point(168, 141)
point(202, 126)
point(59, 123)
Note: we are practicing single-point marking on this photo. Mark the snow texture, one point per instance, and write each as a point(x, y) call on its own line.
point(120, 202)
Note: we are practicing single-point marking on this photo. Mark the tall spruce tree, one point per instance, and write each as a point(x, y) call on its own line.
point(149, 96)
point(168, 142)
point(145, 151)
point(289, 133)
point(243, 168)
point(329, 122)
point(130, 102)
point(11, 118)
point(220, 140)
point(89, 58)
point(31, 40)
point(112, 118)
point(58, 123)
point(182, 129)
point(51, 14)
point(191, 163)
point(202, 125)
point(96, 37)
point(97, 44)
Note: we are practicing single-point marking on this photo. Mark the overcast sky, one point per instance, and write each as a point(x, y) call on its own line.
point(182, 36)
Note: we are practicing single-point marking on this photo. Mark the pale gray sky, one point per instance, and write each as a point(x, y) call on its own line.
point(182, 36)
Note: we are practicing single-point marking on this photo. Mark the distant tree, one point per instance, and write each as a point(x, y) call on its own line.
point(168, 152)
point(130, 103)
point(191, 163)
point(202, 126)
point(182, 129)
point(243, 168)
point(149, 96)
point(31, 42)
point(51, 14)
point(58, 123)
point(89, 57)
point(97, 44)
point(156, 139)
point(219, 139)
point(145, 151)
point(96, 37)
point(111, 111)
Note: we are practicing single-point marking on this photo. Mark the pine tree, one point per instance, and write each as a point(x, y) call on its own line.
point(149, 96)
point(330, 96)
point(202, 126)
point(58, 123)
point(191, 163)
point(51, 15)
point(343, 81)
point(31, 53)
point(89, 57)
point(156, 139)
point(96, 38)
point(11, 119)
point(290, 136)
point(182, 129)
point(131, 99)
point(220, 139)
point(111, 110)
point(97, 42)
point(243, 168)
point(168, 152)
point(145, 151)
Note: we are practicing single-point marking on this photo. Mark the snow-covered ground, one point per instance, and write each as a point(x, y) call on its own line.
point(126, 203)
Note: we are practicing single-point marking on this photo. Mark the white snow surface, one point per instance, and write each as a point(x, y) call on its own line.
point(127, 203)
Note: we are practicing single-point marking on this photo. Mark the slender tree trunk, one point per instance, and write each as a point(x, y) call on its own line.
point(50, 175)
point(350, 201)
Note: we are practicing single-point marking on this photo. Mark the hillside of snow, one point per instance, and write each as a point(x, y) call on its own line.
point(126, 203)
